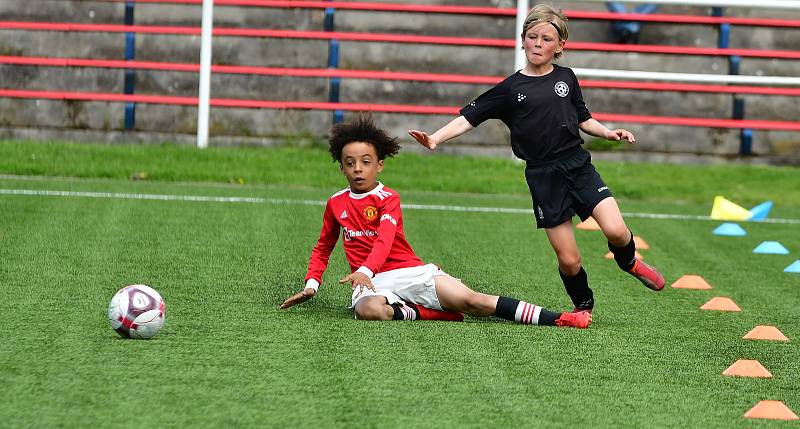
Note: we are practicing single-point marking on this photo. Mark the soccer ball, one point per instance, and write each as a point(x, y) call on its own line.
point(136, 311)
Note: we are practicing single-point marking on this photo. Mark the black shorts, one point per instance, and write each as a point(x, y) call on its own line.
point(564, 187)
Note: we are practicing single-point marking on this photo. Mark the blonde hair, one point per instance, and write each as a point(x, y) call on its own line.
point(546, 13)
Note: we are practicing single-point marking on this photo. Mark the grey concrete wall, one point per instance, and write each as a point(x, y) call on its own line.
point(254, 126)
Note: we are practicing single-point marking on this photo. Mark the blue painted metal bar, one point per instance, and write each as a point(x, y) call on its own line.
point(734, 63)
point(333, 62)
point(130, 75)
point(724, 39)
point(746, 145)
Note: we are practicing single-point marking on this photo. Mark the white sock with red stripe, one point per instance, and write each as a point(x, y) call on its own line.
point(527, 313)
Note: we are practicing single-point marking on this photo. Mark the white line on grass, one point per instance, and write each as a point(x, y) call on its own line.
point(257, 200)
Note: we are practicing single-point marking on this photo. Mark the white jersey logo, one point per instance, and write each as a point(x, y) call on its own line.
point(388, 217)
point(562, 89)
point(520, 97)
point(343, 215)
point(383, 194)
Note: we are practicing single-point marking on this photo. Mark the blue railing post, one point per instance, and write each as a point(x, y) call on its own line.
point(746, 145)
point(333, 63)
point(130, 75)
point(734, 63)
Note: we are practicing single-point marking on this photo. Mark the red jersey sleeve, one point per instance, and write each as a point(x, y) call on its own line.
point(390, 216)
point(322, 250)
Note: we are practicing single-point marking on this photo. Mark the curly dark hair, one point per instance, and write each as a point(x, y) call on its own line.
point(362, 129)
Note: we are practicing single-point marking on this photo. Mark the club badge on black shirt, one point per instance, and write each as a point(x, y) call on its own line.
point(542, 112)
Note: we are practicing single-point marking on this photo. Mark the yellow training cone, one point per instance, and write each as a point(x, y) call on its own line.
point(726, 210)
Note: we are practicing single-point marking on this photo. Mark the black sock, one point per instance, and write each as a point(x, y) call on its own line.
point(625, 255)
point(405, 312)
point(548, 318)
point(507, 309)
point(577, 287)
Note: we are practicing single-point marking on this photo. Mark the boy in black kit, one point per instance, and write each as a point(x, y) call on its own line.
point(543, 107)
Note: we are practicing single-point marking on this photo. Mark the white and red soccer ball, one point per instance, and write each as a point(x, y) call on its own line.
point(136, 311)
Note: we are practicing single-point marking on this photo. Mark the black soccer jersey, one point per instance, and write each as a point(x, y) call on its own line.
point(542, 112)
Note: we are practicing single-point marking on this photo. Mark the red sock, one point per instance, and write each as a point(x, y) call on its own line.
point(431, 314)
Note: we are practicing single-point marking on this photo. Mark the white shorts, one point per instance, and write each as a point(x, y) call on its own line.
point(414, 284)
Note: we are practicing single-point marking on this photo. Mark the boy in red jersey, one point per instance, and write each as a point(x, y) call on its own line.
point(389, 281)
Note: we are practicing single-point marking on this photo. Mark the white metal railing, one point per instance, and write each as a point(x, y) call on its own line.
point(688, 77)
point(753, 4)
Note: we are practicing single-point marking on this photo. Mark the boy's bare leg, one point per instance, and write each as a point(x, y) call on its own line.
point(622, 245)
point(576, 283)
point(373, 308)
point(609, 217)
point(377, 308)
point(455, 296)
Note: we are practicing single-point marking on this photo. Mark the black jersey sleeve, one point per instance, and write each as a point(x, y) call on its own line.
point(491, 104)
point(577, 100)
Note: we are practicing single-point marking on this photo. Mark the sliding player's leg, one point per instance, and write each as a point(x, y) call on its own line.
point(453, 295)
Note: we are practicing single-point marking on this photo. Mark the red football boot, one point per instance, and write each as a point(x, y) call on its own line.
point(648, 275)
point(426, 313)
point(580, 320)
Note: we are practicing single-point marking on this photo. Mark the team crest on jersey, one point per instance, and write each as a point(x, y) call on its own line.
point(562, 89)
point(370, 213)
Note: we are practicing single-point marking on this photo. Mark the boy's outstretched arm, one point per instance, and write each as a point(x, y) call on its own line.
point(453, 129)
point(318, 262)
point(299, 298)
point(597, 129)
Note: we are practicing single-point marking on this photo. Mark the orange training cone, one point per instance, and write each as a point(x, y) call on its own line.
point(721, 304)
point(610, 255)
point(640, 243)
point(762, 332)
point(691, 281)
point(776, 410)
point(588, 225)
point(747, 368)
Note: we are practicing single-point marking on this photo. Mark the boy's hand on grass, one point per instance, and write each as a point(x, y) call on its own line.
point(423, 138)
point(358, 280)
point(299, 298)
point(621, 134)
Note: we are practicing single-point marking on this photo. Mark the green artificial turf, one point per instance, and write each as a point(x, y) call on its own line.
point(229, 357)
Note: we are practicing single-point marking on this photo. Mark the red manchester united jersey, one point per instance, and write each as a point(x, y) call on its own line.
point(371, 225)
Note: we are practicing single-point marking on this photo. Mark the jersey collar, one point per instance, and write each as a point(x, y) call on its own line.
point(375, 191)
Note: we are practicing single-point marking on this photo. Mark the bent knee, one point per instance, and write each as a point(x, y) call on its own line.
point(372, 310)
point(569, 263)
point(618, 233)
